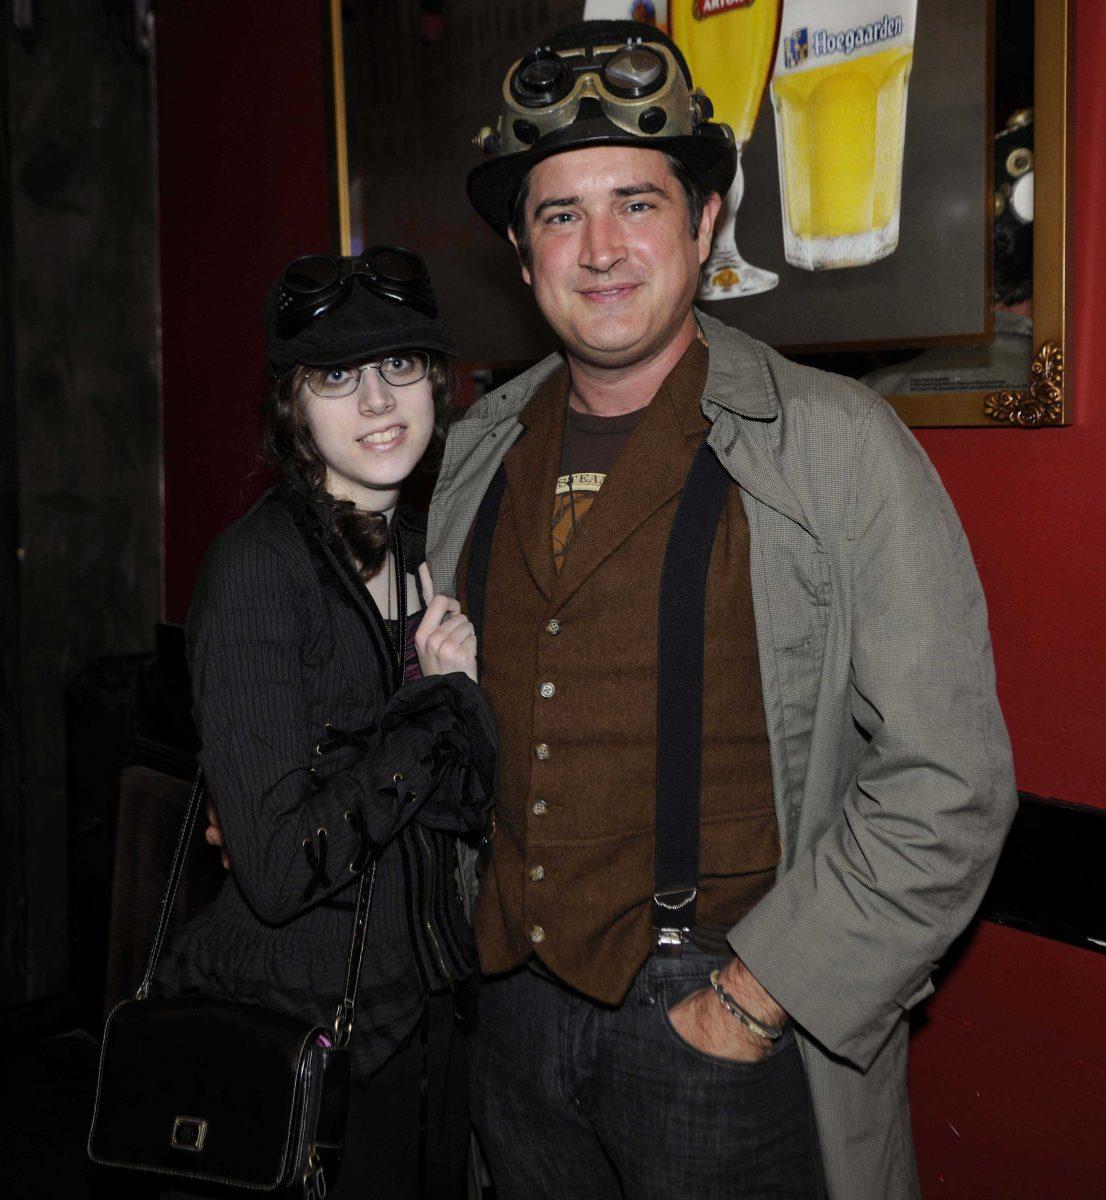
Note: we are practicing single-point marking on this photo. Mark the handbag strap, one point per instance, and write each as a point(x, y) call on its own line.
point(175, 872)
point(344, 1017)
point(347, 1009)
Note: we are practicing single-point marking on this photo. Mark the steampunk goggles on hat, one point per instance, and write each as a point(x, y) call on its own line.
point(316, 284)
point(613, 83)
point(637, 86)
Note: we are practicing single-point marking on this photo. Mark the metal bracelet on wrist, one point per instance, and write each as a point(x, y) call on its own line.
point(763, 1030)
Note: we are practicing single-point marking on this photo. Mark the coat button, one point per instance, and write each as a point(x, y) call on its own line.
point(553, 627)
point(542, 751)
point(547, 691)
point(537, 874)
point(537, 934)
point(539, 808)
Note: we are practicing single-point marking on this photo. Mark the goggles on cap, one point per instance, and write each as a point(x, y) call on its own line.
point(316, 284)
point(638, 86)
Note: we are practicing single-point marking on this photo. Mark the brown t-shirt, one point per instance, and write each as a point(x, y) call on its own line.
point(591, 444)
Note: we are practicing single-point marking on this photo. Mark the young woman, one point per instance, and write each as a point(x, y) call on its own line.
point(340, 721)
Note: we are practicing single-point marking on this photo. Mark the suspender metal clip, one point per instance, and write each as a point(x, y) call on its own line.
point(671, 940)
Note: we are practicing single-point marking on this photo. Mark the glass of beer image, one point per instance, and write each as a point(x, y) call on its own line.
point(839, 94)
point(729, 46)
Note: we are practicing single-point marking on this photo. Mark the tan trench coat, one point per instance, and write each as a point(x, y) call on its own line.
point(891, 766)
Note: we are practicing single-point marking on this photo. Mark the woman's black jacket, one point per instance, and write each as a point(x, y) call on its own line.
point(313, 766)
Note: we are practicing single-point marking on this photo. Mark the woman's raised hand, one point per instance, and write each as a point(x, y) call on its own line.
point(445, 638)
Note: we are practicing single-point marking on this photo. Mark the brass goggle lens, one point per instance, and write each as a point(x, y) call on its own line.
point(635, 71)
point(545, 77)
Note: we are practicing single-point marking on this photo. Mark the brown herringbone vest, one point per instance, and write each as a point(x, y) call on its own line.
point(569, 666)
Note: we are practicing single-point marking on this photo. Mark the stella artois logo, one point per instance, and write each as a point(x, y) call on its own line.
point(701, 9)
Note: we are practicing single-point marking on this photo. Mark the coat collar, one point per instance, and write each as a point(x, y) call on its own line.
point(738, 379)
point(740, 398)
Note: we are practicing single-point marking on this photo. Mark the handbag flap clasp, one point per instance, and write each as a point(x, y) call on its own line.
point(189, 1133)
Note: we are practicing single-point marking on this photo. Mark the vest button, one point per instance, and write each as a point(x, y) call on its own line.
point(537, 874)
point(553, 627)
point(539, 808)
point(537, 934)
point(547, 691)
point(542, 751)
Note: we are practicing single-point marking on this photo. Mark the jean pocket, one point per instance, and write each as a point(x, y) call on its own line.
point(671, 996)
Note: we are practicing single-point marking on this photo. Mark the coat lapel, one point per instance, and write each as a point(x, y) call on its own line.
point(741, 401)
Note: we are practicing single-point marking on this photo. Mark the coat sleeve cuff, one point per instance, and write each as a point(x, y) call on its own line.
point(801, 960)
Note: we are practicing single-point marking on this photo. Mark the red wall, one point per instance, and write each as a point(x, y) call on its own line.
point(1034, 507)
point(1008, 1074)
point(243, 178)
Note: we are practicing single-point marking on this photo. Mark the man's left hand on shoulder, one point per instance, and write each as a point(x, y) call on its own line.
point(702, 1021)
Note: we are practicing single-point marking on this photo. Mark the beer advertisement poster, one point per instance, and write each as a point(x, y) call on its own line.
point(862, 212)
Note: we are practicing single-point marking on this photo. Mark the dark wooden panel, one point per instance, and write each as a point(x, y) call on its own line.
point(86, 396)
point(13, 907)
point(1051, 879)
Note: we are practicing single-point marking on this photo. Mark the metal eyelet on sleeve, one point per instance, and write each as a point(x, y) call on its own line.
point(316, 860)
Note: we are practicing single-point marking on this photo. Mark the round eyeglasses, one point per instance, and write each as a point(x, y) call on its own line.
point(397, 370)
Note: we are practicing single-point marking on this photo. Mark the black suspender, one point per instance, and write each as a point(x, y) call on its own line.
point(680, 653)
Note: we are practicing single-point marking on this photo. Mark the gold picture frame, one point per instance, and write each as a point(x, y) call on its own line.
point(1046, 400)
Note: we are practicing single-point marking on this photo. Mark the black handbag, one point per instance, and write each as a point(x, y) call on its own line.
point(211, 1093)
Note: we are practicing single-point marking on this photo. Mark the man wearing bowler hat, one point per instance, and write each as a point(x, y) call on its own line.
point(753, 773)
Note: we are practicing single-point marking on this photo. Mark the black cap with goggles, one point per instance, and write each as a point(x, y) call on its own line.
point(315, 284)
point(613, 82)
point(332, 311)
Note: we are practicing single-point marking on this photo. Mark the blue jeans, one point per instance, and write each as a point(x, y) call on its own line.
point(577, 1101)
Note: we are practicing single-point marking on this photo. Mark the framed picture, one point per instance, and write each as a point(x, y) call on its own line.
point(1043, 399)
point(908, 305)
point(1014, 374)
